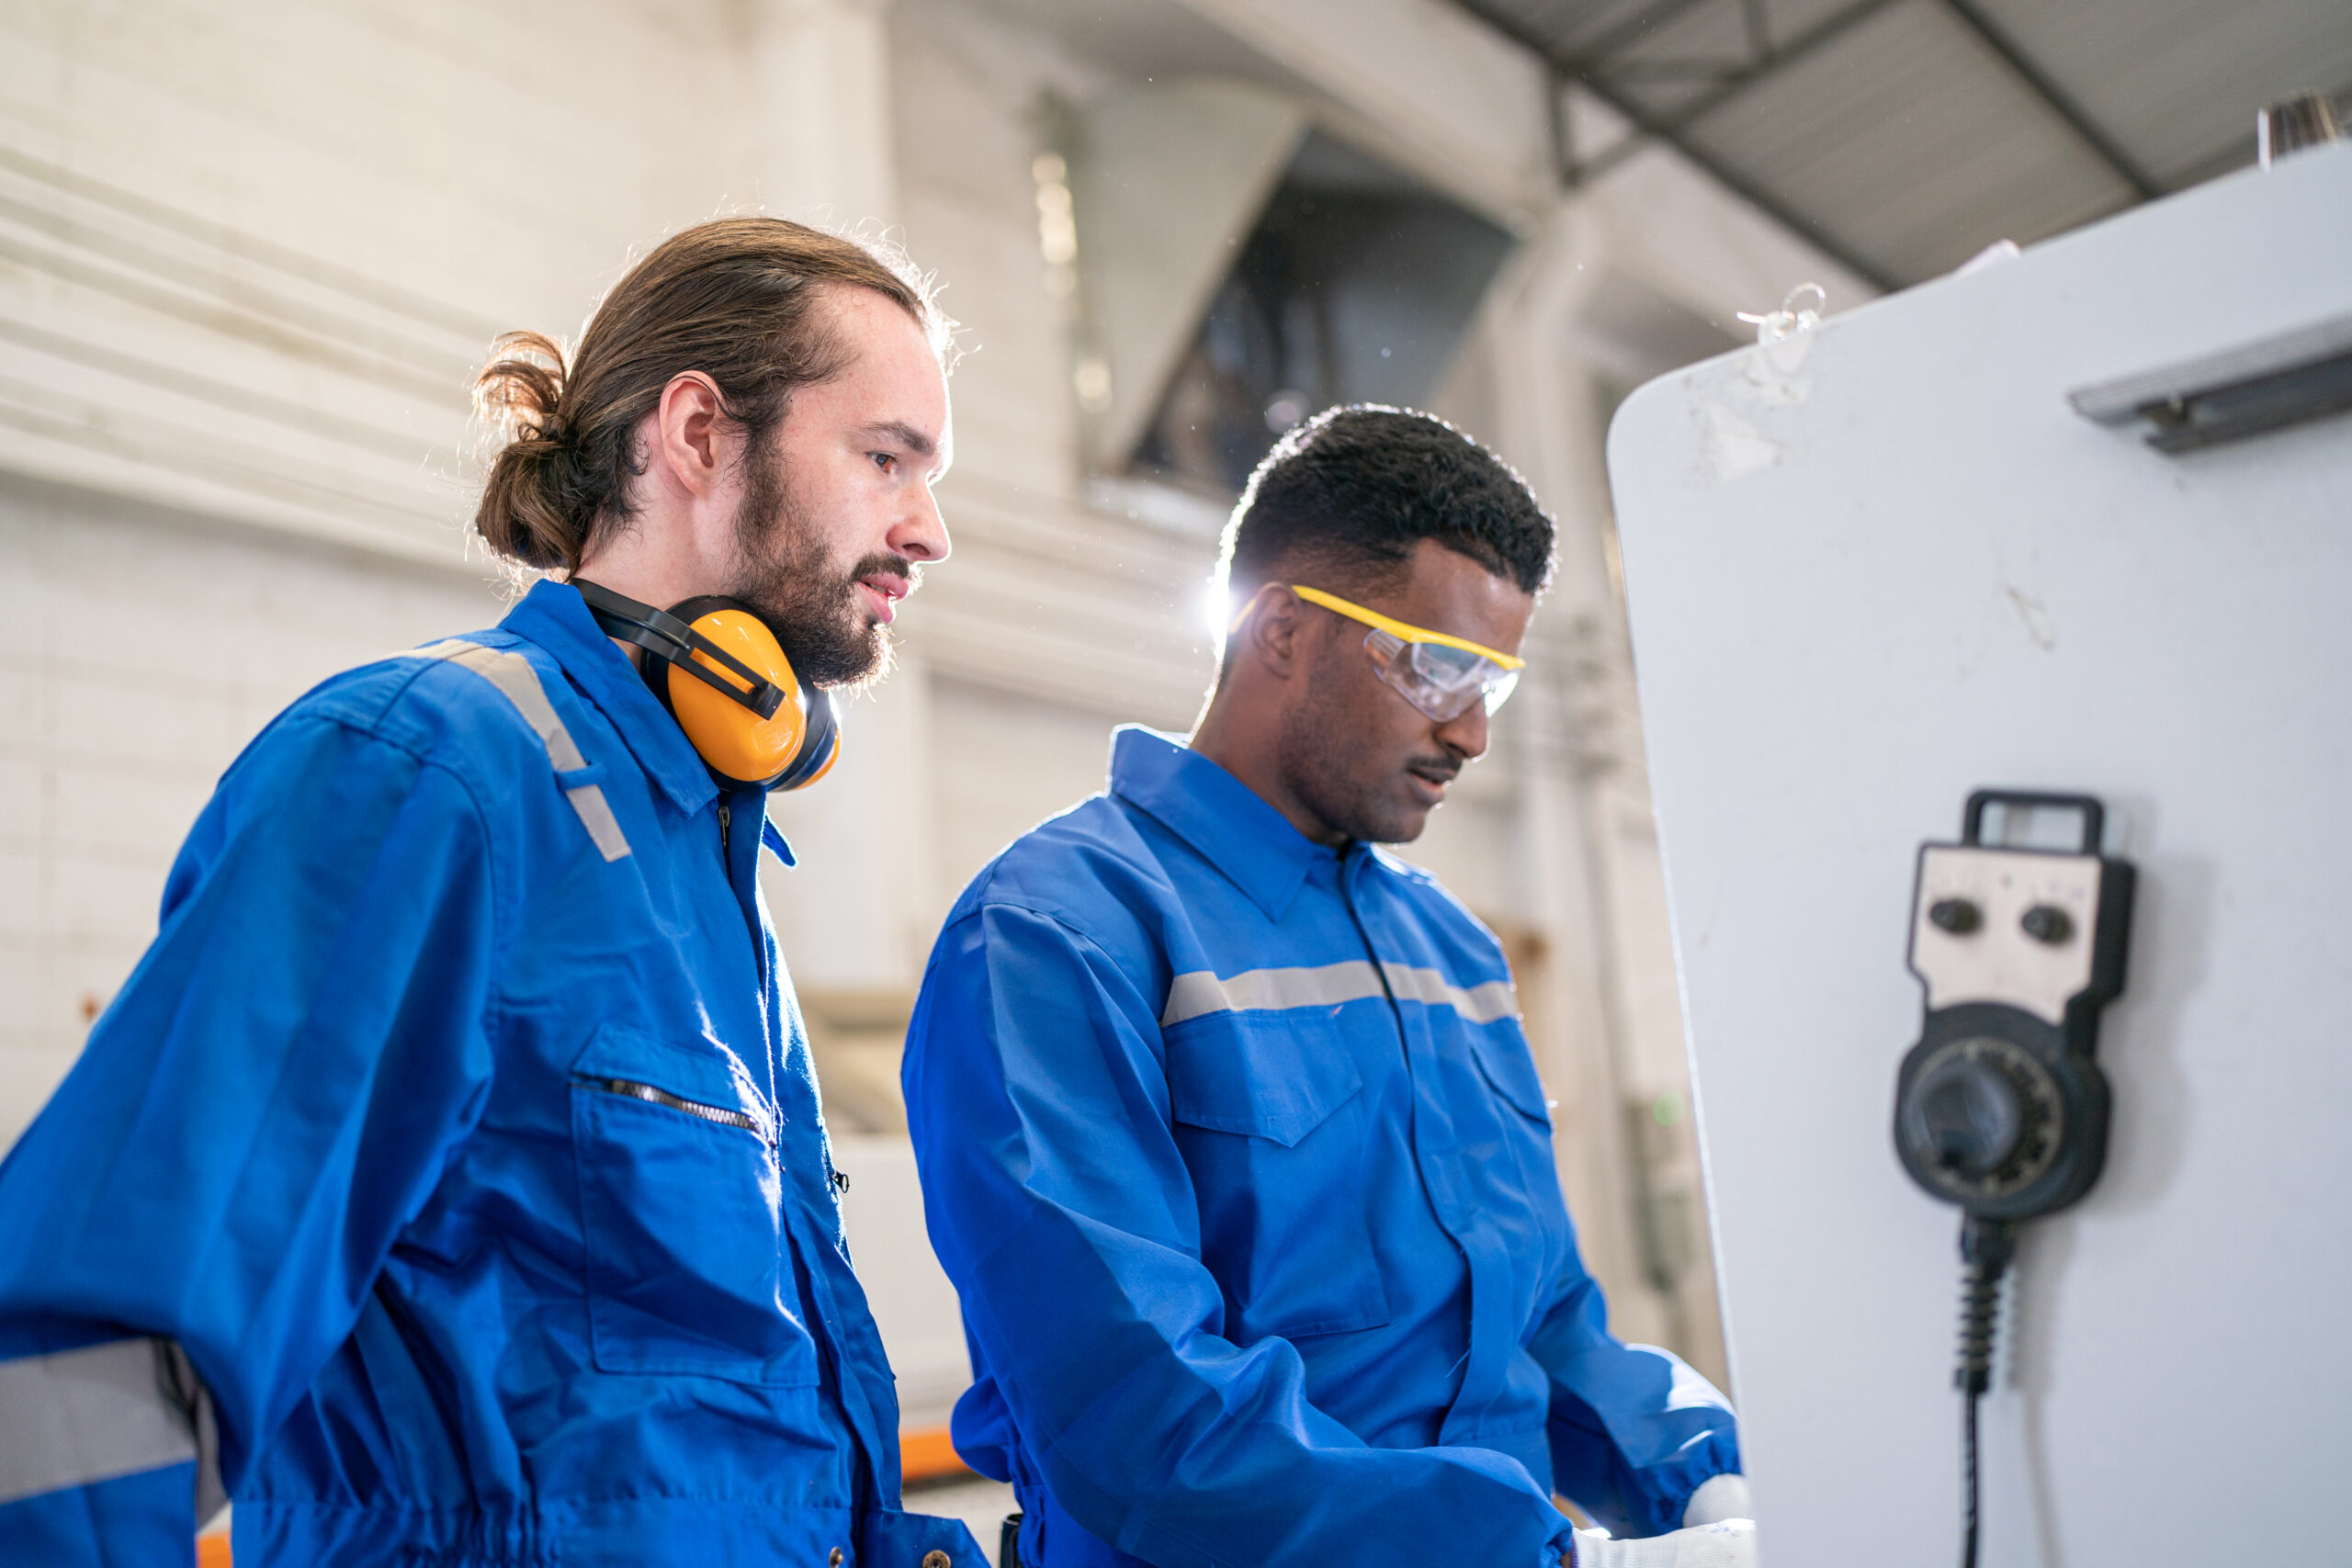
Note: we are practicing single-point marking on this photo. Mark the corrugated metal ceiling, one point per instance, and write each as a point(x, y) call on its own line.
point(1904, 135)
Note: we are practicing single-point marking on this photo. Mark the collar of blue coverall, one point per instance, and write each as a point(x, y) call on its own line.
point(1221, 817)
point(553, 616)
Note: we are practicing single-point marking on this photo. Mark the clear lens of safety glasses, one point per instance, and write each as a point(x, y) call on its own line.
point(1442, 682)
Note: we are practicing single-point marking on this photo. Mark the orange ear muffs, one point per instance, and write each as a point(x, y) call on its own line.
point(715, 667)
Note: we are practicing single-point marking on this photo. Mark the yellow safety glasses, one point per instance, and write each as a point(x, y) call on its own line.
point(1439, 675)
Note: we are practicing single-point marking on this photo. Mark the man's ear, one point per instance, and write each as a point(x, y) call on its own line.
point(1276, 633)
point(690, 431)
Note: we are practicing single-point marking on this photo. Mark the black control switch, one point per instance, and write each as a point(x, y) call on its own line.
point(1957, 916)
point(2046, 923)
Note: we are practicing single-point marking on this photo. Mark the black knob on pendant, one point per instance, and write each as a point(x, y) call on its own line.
point(1957, 916)
point(2048, 922)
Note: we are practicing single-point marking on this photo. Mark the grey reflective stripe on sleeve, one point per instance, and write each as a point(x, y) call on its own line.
point(519, 684)
point(188, 1390)
point(74, 1417)
point(1201, 992)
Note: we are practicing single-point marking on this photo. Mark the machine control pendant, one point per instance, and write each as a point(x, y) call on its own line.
point(2000, 1107)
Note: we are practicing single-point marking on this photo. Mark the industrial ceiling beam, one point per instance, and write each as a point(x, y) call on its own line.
point(1660, 130)
point(1626, 32)
point(1741, 185)
point(1655, 68)
point(1616, 82)
point(1821, 34)
point(1655, 128)
point(2060, 102)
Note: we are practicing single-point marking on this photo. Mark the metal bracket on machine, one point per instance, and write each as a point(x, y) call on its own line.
point(2278, 381)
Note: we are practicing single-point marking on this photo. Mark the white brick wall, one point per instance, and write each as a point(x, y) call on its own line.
point(249, 253)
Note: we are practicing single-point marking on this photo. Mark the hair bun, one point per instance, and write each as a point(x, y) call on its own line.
point(519, 390)
point(526, 501)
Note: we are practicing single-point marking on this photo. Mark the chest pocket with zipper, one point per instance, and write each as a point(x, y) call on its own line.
point(681, 1202)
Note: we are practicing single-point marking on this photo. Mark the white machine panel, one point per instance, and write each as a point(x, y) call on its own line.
point(1881, 564)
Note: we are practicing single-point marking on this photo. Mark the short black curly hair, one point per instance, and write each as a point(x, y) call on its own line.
point(1346, 496)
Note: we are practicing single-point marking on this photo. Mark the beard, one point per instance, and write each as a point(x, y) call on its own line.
point(812, 604)
point(1329, 763)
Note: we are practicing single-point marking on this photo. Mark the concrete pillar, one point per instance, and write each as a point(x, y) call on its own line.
point(820, 111)
point(1585, 813)
point(850, 917)
point(859, 913)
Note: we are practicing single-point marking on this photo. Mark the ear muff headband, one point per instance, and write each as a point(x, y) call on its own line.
point(661, 633)
point(718, 669)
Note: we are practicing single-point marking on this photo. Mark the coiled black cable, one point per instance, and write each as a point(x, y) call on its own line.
point(1986, 1247)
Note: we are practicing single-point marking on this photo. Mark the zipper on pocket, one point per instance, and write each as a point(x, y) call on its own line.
point(723, 1115)
point(725, 815)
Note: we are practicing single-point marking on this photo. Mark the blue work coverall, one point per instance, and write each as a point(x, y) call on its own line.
point(449, 1172)
point(1235, 1152)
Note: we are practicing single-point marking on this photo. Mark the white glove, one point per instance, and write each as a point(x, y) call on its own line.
point(1727, 1543)
point(1718, 1499)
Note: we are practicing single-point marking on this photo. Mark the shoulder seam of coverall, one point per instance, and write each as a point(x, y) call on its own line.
point(335, 707)
point(1056, 918)
point(413, 670)
point(509, 715)
point(1126, 812)
point(502, 879)
point(983, 897)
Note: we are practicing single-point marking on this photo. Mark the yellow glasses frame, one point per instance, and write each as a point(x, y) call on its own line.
point(1398, 629)
point(1440, 698)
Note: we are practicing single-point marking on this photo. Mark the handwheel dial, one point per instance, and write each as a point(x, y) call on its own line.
point(1986, 1116)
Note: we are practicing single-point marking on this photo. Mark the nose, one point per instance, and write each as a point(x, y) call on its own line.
point(1466, 734)
point(921, 533)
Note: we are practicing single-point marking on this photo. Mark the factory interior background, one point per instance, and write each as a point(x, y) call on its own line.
point(251, 254)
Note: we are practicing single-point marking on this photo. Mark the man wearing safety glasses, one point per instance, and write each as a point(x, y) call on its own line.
point(1229, 1135)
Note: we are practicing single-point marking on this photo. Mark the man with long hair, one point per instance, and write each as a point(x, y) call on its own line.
point(448, 1183)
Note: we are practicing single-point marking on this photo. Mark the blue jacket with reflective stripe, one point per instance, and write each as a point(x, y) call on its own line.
point(1234, 1149)
point(459, 1131)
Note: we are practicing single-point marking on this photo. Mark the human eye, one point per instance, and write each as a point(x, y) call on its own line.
point(886, 461)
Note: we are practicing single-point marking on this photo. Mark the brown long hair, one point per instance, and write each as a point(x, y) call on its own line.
point(733, 298)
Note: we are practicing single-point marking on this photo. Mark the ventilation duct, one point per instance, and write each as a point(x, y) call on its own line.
point(1166, 182)
point(1243, 269)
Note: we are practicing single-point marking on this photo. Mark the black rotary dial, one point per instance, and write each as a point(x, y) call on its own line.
point(1984, 1117)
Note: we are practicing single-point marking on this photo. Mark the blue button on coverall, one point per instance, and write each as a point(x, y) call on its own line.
point(1235, 1152)
point(449, 1172)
